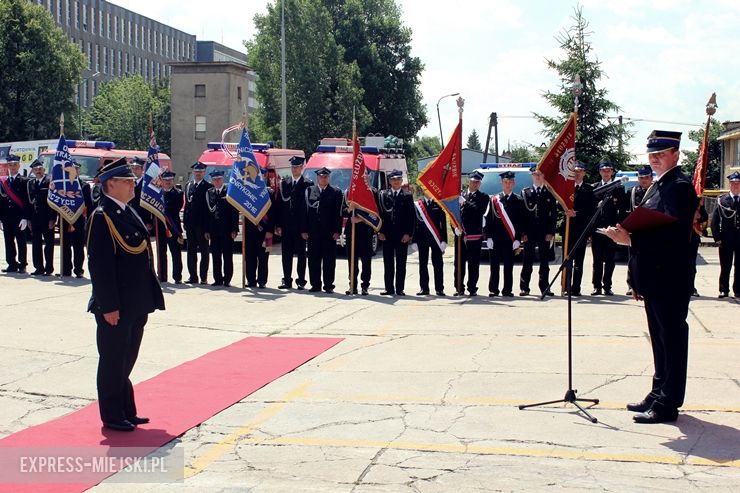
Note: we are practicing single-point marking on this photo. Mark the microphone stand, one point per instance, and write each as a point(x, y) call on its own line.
point(570, 394)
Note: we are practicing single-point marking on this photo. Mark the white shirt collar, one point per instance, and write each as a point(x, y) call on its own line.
point(118, 202)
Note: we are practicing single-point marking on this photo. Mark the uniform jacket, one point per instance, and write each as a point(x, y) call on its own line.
point(196, 210)
point(144, 214)
point(223, 218)
point(120, 261)
point(472, 211)
point(726, 221)
point(173, 202)
point(10, 210)
point(324, 210)
point(290, 204)
point(495, 228)
point(397, 213)
point(613, 210)
point(634, 198)
point(660, 257)
point(541, 213)
point(38, 191)
point(437, 217)
point(584, 203)
point(268, 222)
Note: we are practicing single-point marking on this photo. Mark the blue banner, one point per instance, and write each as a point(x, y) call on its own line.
point(65, 188)
point(152, 195)
point(247, 190)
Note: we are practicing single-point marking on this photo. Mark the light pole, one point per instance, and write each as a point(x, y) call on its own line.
point(439, 120)
point(79, 102)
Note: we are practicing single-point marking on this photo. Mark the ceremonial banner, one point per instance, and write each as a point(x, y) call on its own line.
point(557, 164)
point(65, 189)
point(247, 190)
point(359, 193)
point(441, 179)
point(152, 195)
point(700, 172)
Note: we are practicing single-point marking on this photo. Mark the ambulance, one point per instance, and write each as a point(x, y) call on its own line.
point(91, 155)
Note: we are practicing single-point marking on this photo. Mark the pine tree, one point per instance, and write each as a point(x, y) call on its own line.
point(474, 141)
point(598, 138)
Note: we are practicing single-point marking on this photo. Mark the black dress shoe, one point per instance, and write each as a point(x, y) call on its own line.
point(262, 285)
point(178, 281)
point(653, 416)
point(204, 282)
point(329, 291)
point(548, 293)
point(10, 270)
point(508, 295)
point(37, 272)
point(629, 292)
point(124, 425)
point(608, 292)
point(21, 271)
point(400, 293)
point(639, 407)
point(459, 293)
point(387, 293)
point(226, 285)
point(440, 293)
point(251, 284)
point(596, 292)
point(724, 294)
point(300, 287)
point(695, 293)
point(314, 290)
point(285, 286)
point(492, 295)
point(138, 420)
point(524, 292)
point(422, 293)
point(473, 293)
point(364, 292)
point(192, 280)
point(348, 292)
point(216, 283)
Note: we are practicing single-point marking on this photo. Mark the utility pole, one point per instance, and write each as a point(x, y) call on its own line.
point(495, 132)
point(284, 109)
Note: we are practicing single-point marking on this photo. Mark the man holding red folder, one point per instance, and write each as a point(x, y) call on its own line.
point(660, 274)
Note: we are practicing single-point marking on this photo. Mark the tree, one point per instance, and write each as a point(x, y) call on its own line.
point(597, 137)
point(525, 153)
point(474, 141)
point(714, 165)
point(322, 90)
point(40, 70)
point(120, 112)
point(374, 37)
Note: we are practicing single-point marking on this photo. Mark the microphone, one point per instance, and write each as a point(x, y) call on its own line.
point(603, 190)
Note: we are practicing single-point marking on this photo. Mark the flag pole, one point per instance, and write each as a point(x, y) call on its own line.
point(156, 221)
point(243, 218)
point(567, 280)
point(459, 239)
point(61, 219)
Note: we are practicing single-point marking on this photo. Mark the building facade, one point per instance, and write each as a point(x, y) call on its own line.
point(730, 139)
point(118, 42)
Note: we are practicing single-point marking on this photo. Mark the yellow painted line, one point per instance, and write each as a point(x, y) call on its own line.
point(553, 453)
point(219, 449)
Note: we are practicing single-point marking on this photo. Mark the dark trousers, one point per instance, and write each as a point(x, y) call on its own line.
point(118, 348)
point(437, 266)
point(14, 237)
point(363, 254)
point(42, 247)
point(394, 264)
point(197, 243)
point(695, 241)
point(73, 249)
point(293, 245)
point(726, 256)
point(528, 262)
point(222, 250)
point(256, 257)
point(578, 256)
point(669, 338)
point(502, 253)
point(175, 249)
point(470, 257)
point(603, 250)
point(322, 259)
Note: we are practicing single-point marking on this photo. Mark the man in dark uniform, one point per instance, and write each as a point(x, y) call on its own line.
point(15, 215)
point(124, 292)
point(137, 166)
point(363, 239)
point(173, 202)
point(726, 232)
point(660, 274)
point(324, 224)
point(584, 206)
point(223, 226)
point(634, 197)
point(473, 206)
point(397, 213)
point(195, 219)
point(430, 235)
point(73, 251)
point(602, 248)
point(541, 215)
point(504, 227)
point(43, 219)
point(291, 225)
point(259, 243)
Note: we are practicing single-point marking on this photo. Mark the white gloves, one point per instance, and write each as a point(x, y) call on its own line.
point(458, 232)
point(515, 245)
point(443, 246)
point(461, 200)
point(414, 247)
point(489, 243)
point(2, 228)
point(23, 224)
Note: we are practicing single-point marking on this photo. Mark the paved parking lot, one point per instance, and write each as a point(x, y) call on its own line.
point(420, 396)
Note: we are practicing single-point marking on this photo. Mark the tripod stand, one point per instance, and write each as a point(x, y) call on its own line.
point(570, 394)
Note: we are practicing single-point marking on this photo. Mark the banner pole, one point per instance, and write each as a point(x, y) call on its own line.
point(61, 246)
point(352, 286)
point(569, 269)
point(159, 257)
point(243, 225)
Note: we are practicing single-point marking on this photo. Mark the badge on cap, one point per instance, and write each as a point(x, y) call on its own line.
point(605, 165)
point(115, 169)
point(660, 140)
point(297, 161)
point(216, 173)
point(396, 173)
point(475, 176)
point(12, 158)
point(507, 175)
point(323, 171)
point(734, 176)
point(644, 171)
point(198, 166)
point(167, 175)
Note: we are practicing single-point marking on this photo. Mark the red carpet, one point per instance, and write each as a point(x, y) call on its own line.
point(175, 401)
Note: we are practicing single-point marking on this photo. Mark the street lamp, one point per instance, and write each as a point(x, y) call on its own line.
point(441, 137)
point(79, 102)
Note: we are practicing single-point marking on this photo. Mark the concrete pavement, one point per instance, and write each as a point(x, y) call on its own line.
point(420, 396)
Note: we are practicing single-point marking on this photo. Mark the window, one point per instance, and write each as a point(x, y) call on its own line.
point(92, 20)
point(105, 60)
point(77, 14)
point(119, 64)
point(239, 93)
point(69, 13)
point(115, 28)
point(737, 153)
point(128, 30)
point(252, 103)
point(84, 17)
point(200, 127)
point(252, 86)
point(200, 90)
point(89, 56)
point(100, 22)
point(97, 58)
point(136, 36)
point(107, 25)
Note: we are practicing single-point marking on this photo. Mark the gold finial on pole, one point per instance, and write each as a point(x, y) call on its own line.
point(712, 104)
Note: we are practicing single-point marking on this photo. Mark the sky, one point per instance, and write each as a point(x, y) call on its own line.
point(662, 59)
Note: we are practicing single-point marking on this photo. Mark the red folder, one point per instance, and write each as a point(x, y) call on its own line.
point(642, 218)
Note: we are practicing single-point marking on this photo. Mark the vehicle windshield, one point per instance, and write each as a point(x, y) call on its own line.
point(340, 178)
point(88, 164)
point(491, 183)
